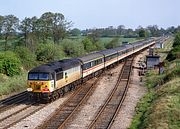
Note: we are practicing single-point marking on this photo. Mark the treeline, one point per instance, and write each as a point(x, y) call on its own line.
point(121, 30)
point(50, 26)
point(33, 41)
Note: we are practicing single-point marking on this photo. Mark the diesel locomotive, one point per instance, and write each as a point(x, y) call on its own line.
point(50, 81)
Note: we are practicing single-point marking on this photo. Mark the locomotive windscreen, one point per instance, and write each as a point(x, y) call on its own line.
point(38, 76)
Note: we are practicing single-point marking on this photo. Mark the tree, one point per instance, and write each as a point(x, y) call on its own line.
point(60, 27)
point(26, 28)
point(75, 32)
point(53, 25)
point(113, 43)
point(120, 29)
point(9, 63)
point(99, 45)
point(177, 40)
point(10, 25)
point(88, 45)
point(142, 33)
point(47, 20)
point(94, 36)
point(49, 52)
point(175, 52)
point(73, 48)
point(154, 30)
point(171, 30)
point(28, 59)
point(1, 24)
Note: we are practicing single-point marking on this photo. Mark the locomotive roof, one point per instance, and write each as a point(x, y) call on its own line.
point(57, 66)
point(108, 52)
point(90, 57)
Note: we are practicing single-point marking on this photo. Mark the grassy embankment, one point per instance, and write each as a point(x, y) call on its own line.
point(18, 83)
point(12, 84)
point(160, 107)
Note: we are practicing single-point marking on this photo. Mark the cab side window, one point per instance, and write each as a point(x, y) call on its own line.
point(59, 76)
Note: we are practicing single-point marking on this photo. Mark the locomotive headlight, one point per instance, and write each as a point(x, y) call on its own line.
point(29, 89)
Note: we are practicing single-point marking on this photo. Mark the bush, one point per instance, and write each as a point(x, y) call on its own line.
point(9, 63)
point(49, 52)
point(73, 48)
point(88, 45)
point(99, 45)
point(26, 56)
point(113, 43)
point(175, 52)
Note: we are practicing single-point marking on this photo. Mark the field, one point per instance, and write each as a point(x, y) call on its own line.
point(106, 40)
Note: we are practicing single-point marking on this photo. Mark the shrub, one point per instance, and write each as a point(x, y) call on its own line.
point(88, 45)
point(73, 48)
point(113, 43)
point(9, 63)
point(26, 56)
point(49, 52)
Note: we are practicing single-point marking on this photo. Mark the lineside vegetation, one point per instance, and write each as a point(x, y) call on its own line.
point(160, 107)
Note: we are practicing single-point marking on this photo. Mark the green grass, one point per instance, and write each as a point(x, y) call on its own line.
point(12, 84)
point(164, 112)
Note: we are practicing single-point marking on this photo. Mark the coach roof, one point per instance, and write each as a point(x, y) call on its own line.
point(108, 52)
point(90, 57)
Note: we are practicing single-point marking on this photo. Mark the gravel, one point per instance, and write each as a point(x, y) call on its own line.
point(12, 110)
point(88, 111)
point(135, 92)
point(37, 118)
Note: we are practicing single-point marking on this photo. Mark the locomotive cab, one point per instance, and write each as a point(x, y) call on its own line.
point(41, 82)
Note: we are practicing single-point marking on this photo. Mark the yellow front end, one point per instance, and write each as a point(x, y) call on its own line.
point(39, 86)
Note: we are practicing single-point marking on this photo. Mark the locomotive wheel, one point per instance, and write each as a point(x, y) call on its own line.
point(62, 92)
point(55, 95)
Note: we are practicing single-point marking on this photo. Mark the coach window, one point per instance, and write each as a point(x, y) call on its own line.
point(87, 66)
point(93, 63)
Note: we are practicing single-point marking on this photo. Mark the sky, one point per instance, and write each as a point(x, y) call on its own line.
point(100, 13)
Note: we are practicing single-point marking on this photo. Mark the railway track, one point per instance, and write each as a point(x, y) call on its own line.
point(60, 118)
point(16, 108)
point(21, 114)
point(12, 101)
point(110, 109)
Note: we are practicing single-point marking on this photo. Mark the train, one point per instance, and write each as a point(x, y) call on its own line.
point(50, 81)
